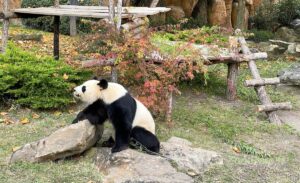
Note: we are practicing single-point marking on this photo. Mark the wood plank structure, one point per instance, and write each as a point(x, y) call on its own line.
point(57, 11)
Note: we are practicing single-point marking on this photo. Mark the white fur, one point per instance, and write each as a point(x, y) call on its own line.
point(143, 118)
point(91, 94)
point(113, 92)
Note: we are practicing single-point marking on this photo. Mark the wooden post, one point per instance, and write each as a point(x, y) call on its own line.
point(119, 16)
point(56, 3)
point(260, 90)
point(111, 11)
point(232, 71)
point(73, 26)
point(231, 91)
point(56, 23)
point(154, 3)
point(5, 26)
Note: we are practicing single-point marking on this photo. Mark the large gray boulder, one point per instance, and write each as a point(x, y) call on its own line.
point(291, 75)
point(286, 34)
point(192, 161)
point(131, 166)
point(65, 142)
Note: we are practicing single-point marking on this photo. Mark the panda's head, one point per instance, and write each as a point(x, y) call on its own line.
point(93, 90)
point(90, 91)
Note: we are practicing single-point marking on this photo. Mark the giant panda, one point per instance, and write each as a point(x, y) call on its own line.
point(129, 117)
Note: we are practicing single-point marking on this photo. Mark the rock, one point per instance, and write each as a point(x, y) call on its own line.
point(186, 5)
point(217, 13)
point(276, 50)
point(192, 161)
point(131, 166)
point(296, 23)
point(291, 75)
point(67, 141)
point(286, 34)
point(291, 49)
point(298, 48)
point(176, 13)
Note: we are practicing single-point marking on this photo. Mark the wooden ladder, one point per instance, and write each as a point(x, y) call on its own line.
point(259, 85)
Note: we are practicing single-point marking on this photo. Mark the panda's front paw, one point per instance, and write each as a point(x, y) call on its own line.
point(118, 148)
point(75, 121)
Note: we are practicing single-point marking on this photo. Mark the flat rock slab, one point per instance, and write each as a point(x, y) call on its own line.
point(65, 142)
point(192, 161)
point(291, 75)
point(291, 118)
point(132, 166)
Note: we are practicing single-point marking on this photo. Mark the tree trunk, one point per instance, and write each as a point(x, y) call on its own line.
point(240, 24)
point(228, 4)
point(5, 26)
point(119, 17)
point(200, 12)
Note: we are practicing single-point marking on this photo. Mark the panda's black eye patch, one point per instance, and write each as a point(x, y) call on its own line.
point(83, 89)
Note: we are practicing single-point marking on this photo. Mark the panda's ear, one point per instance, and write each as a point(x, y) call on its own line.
point(103, 84)
point(95, 78)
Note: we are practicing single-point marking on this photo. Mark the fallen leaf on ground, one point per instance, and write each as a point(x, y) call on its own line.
point(71, 111)
point(35, 116)
point(66, 77)
point(25, 121)
point(235, 149)
point(14, 149)
point(3, 113)
point(57, 113)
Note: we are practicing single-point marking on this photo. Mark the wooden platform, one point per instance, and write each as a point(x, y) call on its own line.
point(85, 11)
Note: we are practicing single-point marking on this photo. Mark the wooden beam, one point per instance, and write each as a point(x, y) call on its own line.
point(56, 3)
point(73, 26)
point(56, 23)
point(262, 82)
point(5, 26)
point(260, 90)
point(274, 107)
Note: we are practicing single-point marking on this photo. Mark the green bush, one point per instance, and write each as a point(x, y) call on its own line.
point(288, 10)
point(261, 35)
point(46, 23)
point(269, 15)
point(39, 83)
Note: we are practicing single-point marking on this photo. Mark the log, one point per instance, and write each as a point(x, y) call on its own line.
point(133, 25)
point(119, 15)
point(98, 62)
point(154, 3)
point(5, 27)
point(274, 107)
point(56, 23)
point(56, 3)
point(260, 90)
point(27, 37)
point(262, 82)
point(232, 58)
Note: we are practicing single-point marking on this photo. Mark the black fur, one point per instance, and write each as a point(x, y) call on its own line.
point(103, 84)
point(96, 113)
point(146, 138)
point(121, 113)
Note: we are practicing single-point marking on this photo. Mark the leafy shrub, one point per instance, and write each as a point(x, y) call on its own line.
point(40, 83)
point(46, 23)
point(265, 16)
point(288, 10)
point(269, 15)
point(261, 35)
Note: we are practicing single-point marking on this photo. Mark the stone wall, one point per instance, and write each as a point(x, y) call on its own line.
point(218, 12)
point(12, 4)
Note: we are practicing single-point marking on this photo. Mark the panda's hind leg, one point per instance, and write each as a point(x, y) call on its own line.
point(146, 138)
